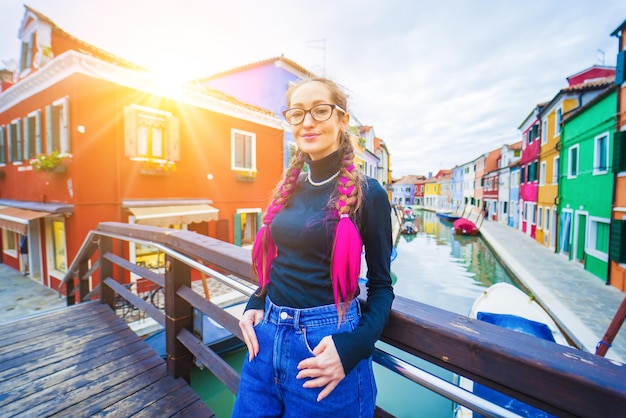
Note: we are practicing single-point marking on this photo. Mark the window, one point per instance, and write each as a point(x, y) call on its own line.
point(544, 134)
point(243, 145)
point(57, 127)
point(555, 170)
point(9, 243)
point(572, 166)
point(539, 218)
point(15, 141)
point(557, 121)
point(27, 52)
point(601, 154)
point(542, 174)
point(598, 242)
point(32, 135)
point(57, 252)
point(247, 223)
point(532, 172)
point(3, 157)
point(547, 220)
point(151, 134)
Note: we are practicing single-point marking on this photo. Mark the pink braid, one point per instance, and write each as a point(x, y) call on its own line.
point(264, 250)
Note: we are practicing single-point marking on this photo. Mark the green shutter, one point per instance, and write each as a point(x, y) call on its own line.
point(617, 249)
point(3, 159)
point(26, 150)
point(237, 227)
point(620, 72)
point(259, 220)
point(619, 152)
point(38, 140)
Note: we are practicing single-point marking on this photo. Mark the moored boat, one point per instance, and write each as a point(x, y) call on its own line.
point(505, 305)
point(447, 215)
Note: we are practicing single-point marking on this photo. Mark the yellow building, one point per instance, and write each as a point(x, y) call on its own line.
point(582, 88)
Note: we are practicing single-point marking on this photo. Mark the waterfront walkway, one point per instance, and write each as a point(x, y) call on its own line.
point(581, 303)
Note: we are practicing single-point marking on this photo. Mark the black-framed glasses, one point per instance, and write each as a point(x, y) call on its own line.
point(320, 113)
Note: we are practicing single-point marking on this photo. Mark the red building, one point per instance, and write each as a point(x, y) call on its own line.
point(490, 183)
point(87, 137)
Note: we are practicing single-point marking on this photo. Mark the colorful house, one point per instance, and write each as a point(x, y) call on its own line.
point(529, 163)
point(509, 155)
point(490, 182)
point(514, 196)
point(617, 250)
point(586, 184)
point(583, 87)
point(87, 137)
point(458, 203)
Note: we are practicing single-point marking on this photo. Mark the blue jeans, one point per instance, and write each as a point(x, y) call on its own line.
point(269, 387)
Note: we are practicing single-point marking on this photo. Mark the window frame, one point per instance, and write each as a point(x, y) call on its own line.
point(558, 118)
point(539, 217)
point(596, 154)
point(590, 242)
point(31, 141)
point(542, 173)
point(233, 150)
point(544, 136)
point(555, 169)
point(570, 173)
point(52, 255)
point(15, 143)
point(3, 146)
point(58, 135)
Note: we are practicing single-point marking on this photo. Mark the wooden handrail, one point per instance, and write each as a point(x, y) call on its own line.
point(560, 380)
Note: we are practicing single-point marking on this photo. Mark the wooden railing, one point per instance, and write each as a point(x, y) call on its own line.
point(560, 380)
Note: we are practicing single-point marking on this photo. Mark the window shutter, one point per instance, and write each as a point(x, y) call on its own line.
point(3, 158)
point(49, 133)
point(237, 226)
point(619, 151)
point(65, 126)
point(620, 72)
point(173, 139)
point(18, 130)
point(26, 149)
point(130, 132)
point(617, 248)
point(259, 220)
point(38, 139)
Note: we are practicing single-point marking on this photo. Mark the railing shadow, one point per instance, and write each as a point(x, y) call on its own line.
point(560, 380)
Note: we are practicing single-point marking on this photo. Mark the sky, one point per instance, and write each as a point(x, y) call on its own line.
point(441, 82)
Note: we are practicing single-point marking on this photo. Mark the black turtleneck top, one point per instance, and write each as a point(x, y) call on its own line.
point(304, 233)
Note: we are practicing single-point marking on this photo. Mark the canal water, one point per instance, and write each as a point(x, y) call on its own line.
point(444, 270)
point(435, 267)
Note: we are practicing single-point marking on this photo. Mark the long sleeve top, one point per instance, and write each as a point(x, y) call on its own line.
point(300, 275)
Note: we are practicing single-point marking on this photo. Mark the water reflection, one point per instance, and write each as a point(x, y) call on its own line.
point(437, 267)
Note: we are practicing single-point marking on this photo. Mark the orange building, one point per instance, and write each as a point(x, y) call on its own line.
point(617, 253)
point(87, 137)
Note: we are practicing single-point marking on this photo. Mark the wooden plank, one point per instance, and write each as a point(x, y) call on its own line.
point(171, 403)
point(78, 361)
point(196, 409)
point(74, 332)
point(155, 278)
point(146, 396)
point(44, 399)
point(88, 404)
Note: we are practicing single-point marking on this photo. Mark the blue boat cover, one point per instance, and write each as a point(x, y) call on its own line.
point(517, 323)
point(526, 326)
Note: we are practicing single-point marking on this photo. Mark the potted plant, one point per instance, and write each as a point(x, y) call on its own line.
point(53, 162)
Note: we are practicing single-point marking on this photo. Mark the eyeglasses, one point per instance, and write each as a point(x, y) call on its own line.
point(320, 113)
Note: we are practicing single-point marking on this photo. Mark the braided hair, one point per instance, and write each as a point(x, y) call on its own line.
point(344, 203)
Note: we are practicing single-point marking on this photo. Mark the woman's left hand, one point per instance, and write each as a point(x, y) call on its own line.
point(324, 370)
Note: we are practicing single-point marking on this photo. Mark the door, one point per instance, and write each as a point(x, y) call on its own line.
point(565, 233)
point(580, 238)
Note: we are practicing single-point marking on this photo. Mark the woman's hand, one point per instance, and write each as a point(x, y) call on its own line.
point(324, 370)
point(249, 319)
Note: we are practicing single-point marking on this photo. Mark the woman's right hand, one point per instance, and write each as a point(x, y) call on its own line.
point(249, 319)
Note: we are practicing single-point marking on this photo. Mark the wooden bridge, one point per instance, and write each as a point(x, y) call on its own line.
point(85, 361)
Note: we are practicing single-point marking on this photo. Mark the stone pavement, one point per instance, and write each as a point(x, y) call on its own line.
point(581, 303)
point(21, 296)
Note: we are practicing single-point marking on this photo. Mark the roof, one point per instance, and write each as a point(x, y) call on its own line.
point(86, 48)
point(619, 29)
point(262, 63)
point(575, 112)
point(589, 85)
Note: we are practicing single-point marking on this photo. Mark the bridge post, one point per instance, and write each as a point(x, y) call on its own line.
point(178, 315)
point(107, 295)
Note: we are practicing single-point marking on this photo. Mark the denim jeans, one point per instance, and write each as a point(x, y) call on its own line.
point(269, 387)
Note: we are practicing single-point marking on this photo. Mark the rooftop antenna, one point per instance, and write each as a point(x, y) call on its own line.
point(601, 52)
point(319, 44)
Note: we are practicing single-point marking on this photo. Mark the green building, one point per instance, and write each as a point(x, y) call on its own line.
point(586, 183)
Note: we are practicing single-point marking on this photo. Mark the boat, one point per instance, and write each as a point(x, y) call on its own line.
point(464, 226)
point(408, 228)
point(507, 306)
point(447, 215)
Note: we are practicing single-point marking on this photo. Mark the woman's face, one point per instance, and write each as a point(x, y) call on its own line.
point(318, 139)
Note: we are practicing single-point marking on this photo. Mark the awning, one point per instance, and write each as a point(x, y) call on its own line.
point(16, 219)
point(165, 216)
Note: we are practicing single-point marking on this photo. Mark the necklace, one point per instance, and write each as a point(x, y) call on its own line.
point(323, 182)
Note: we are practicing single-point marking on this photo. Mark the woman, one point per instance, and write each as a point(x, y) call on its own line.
point(309, 342)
